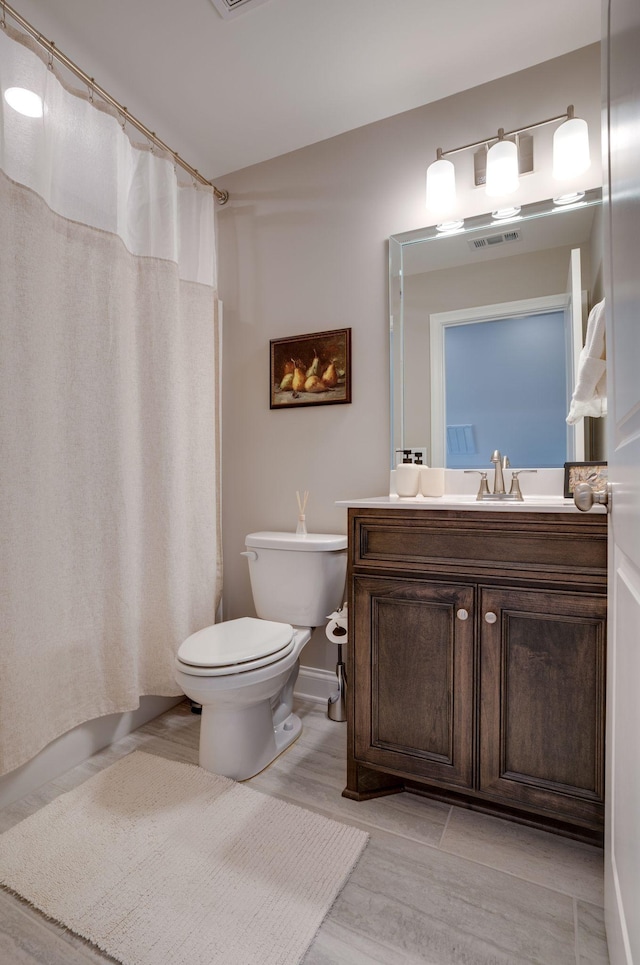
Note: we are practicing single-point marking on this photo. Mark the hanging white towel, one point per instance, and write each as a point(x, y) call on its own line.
point(590, 393)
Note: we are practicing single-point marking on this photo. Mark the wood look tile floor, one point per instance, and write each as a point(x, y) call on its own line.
point(436, 884)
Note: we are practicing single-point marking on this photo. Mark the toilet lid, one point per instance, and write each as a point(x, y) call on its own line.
point(243, 641)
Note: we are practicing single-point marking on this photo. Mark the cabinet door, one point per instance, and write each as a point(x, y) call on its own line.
point(413, 673)
point(542, 701)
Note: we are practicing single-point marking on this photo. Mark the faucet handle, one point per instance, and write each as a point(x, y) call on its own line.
point(515, 483)
point(484, 485)
point(505, 462)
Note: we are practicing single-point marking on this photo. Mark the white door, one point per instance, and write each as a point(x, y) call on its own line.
point(622, 221)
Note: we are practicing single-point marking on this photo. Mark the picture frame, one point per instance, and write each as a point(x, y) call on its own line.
point(313, 369)
point(595, 473)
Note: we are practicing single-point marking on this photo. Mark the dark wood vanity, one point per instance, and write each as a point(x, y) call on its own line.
point(476, 673)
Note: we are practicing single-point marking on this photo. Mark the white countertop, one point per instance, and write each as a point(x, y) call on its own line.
point(461, 489)
point(530, 504)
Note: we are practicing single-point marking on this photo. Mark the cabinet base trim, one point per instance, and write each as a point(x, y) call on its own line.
point(589, 835)
point(364, 783)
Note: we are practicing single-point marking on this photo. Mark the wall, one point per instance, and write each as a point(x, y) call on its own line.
point(302, 247)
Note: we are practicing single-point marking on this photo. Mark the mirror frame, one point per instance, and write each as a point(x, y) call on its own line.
point(397, 244)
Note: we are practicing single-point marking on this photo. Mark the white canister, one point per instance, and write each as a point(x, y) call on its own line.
point(431, 481)
point(407, 479)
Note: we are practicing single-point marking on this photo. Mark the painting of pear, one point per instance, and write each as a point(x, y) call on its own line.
point(311, 369)
point(315, 365)
point(315, 384)
point(299, 377)
point(330, 377)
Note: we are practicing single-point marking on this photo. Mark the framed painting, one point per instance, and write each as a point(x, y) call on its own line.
point(594, 473)
point(310, 369)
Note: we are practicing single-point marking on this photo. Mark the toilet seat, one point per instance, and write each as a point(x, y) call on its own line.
point(235, 647)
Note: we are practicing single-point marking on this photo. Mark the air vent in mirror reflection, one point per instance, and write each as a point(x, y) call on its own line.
point(490, 241)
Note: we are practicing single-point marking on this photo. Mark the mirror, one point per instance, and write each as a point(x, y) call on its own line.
point(486, 328)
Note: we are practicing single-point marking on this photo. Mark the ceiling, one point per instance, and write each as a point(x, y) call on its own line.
point(226, 94)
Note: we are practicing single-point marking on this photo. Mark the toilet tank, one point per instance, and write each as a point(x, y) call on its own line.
point(297, 579)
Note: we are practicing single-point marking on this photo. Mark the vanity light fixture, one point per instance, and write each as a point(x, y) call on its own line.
point(441, 185)
point(571, 147)
point(24, 101)
point(503, 177)
point(570, 159)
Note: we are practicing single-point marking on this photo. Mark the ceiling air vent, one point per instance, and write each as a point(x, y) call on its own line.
point(490, 241)
point(231, 8)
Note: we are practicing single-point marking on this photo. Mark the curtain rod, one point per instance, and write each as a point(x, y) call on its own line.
point(221, 196)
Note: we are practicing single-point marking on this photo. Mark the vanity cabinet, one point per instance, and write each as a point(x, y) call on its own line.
point(476, 671)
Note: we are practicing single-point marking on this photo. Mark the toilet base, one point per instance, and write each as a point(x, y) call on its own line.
point(247, 718)
point(287, 732)
point(240, 745)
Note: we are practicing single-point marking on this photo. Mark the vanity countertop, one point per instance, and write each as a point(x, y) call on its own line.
point(531, 504)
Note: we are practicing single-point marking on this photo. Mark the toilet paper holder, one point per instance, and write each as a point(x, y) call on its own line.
point(337, 632)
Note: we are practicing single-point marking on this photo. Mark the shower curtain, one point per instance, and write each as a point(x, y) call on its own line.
point(109, 513)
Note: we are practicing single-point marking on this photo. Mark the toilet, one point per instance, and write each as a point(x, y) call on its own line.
point(243, 671)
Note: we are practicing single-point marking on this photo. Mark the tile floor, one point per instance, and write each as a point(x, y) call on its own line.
point(436, 884)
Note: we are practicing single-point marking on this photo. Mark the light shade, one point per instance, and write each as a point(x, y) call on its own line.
point(24, 101)
point(441, 187)
point(571, 149)
point(502, 169)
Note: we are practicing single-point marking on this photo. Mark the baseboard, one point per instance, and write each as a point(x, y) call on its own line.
point(77, 745)
point(80, 743)
point(618, 942)
point(315, 684)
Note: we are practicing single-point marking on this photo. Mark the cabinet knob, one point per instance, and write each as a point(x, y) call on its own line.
point(490, 617)
point(462, 614)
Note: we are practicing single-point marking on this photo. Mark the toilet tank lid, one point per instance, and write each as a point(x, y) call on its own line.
point(311, 542)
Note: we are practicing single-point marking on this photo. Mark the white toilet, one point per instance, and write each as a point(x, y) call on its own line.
point(243, 671)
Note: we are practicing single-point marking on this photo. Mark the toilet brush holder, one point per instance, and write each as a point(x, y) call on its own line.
point(337, 705)
point(336, 631)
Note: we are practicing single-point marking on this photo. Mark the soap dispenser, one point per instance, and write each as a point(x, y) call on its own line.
point(407, 475)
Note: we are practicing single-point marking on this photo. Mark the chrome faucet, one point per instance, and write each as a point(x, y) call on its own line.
point(498, 478)
point(500, 463)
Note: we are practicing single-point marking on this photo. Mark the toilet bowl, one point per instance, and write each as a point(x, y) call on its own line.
point(243, 672)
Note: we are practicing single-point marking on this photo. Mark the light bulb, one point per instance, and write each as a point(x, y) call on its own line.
point(441, 187)
point(502, 169)
point(24, 101)
point(571, 149)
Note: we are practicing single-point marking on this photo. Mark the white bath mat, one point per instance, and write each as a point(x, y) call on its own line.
point(162, 863)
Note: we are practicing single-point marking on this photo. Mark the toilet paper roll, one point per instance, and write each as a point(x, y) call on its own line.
point(336, 633)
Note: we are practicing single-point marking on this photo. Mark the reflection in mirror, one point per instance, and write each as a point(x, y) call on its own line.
point(486, 329)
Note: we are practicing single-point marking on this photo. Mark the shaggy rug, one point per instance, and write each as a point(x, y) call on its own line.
point(161, 863)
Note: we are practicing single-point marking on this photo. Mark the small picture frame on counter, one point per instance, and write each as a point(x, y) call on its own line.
point(594, 473)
